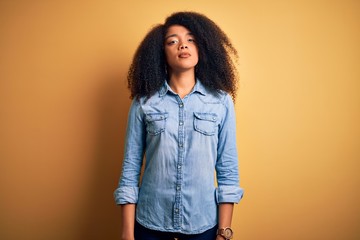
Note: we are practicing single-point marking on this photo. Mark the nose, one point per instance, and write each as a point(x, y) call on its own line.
point(183, 46)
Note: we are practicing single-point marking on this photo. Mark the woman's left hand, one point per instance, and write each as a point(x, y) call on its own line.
point(218, 237)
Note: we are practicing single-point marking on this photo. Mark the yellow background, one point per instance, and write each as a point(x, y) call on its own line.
point(64, 101)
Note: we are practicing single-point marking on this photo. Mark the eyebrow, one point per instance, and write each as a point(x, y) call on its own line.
point(175, 35)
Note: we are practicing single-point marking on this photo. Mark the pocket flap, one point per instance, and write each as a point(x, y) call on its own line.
point(206, 116)
point(156, 116)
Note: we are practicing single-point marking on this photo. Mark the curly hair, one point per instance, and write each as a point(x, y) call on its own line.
point(216, 66)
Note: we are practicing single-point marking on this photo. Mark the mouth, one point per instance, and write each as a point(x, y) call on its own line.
point(184, 55)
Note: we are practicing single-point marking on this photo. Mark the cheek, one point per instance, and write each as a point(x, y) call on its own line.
point(168, 54)
point(197, 56)
point(196, 52)
point(168, 59)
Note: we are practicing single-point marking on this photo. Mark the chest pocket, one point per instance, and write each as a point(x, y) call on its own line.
point(205, 123)
point(155, 122)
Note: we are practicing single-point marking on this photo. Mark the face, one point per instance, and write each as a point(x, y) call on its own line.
point(180, 49)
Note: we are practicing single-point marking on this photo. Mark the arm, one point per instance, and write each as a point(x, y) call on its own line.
point(225, 216)
point(228, 191)
point(127, 221)
point(227, 169)
point(126, 195)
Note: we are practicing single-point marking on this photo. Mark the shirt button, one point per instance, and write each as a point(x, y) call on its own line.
point(181, 105)
point(178, 188)
point(181, 123)
point(180, 145)
point(176, 210)
point(179, 166)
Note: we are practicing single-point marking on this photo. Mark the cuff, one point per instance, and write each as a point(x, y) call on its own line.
point(229, 194)
point(126, 194)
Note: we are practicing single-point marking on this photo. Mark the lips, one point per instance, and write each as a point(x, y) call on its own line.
point(184, 55)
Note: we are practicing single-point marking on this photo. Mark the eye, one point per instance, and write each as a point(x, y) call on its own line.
point(191, 40)
point(172, 42)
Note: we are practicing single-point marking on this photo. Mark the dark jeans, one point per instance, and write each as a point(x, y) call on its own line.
point(142, 233)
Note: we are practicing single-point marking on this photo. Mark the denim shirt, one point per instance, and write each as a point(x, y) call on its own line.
point(185, 142)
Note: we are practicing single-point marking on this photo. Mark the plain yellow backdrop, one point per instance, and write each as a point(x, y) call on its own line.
point(64, 101)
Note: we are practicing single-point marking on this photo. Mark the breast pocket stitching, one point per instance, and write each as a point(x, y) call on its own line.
point(155, 123)
point(205, 123)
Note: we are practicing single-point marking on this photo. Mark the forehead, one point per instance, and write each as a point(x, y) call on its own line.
point(177, 30)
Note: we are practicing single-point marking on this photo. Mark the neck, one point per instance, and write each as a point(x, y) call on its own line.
point(182, 83)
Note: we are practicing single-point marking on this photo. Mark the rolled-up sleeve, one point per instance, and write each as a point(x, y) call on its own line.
point(229, 194)
point(124, 195)
point(227, 170)
point(128, 188)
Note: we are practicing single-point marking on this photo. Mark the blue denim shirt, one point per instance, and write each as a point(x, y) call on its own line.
point(185, 141)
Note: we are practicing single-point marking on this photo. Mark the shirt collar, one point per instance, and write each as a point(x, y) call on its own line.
point(199, 87)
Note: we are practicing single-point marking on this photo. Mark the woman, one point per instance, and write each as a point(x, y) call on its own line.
point(183, 83)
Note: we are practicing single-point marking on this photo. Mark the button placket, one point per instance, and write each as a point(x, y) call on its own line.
point(179, 174)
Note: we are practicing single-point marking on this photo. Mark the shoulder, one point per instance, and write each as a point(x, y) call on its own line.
point(212, 96)
point(153, 99)
point(147, 100)
point(219, 97)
